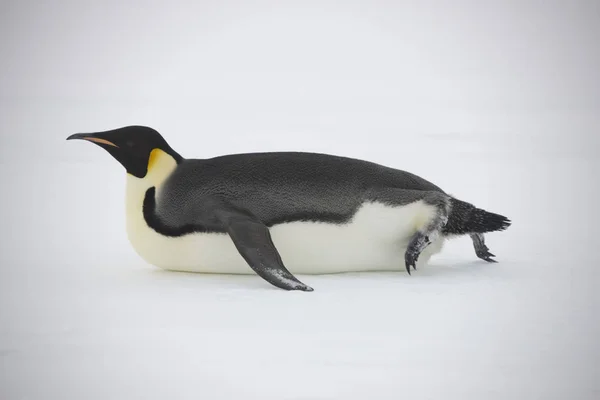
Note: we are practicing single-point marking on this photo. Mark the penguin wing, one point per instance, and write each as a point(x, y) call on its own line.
point(253, 241)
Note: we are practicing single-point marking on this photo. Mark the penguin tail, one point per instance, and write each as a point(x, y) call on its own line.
point(465, 218)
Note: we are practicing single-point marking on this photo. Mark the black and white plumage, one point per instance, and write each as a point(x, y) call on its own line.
point(283, 213)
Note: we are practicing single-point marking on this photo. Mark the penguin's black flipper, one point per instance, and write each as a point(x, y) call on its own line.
point(253, 241)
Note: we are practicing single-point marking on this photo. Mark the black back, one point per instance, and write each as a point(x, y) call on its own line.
point(276, 188)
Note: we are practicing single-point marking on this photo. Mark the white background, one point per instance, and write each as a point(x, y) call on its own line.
point(497, 102)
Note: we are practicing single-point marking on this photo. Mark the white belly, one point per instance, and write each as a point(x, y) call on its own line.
point(375, 240)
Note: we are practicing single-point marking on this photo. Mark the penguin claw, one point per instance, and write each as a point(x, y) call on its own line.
point(487, 256)
point(410, 260)
point(484, 253)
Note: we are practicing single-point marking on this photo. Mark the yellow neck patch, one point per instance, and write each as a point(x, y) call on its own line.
point(153, 159)
point(160, 166)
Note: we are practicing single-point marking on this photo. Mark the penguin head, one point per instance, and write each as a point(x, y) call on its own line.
point(132, 146)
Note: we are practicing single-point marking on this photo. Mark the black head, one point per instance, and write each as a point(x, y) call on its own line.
point(131, 146)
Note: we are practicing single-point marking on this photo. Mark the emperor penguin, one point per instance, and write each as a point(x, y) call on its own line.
point(283, 213)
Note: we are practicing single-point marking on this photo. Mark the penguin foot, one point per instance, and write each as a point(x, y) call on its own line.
point(410, 259)
point(424, 237)
point(481, 250)
point(485, 255)
point(414, 249)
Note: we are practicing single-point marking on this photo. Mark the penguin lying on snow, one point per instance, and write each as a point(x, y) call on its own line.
point(318, 213)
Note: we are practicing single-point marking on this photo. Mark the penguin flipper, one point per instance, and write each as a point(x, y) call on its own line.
point(253, 241)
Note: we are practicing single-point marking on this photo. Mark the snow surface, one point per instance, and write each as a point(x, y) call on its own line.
point(508, 121)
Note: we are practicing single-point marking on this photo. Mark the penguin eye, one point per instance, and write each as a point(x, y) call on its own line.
point(130, 143)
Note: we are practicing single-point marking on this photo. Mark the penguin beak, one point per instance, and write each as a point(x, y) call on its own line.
point(92, 138)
